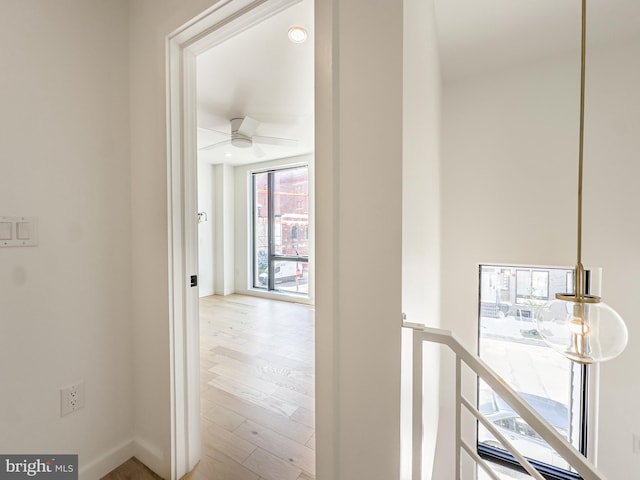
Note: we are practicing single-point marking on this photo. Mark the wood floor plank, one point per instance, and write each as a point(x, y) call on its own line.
point(311, 443)
point(295, 398)
point(304, 416)
point(222, 416)
point(255, 367)
point(271, 467)
point(297, 431)
point(280, 359)
point(230, 353)
point(246, 377)
point(235, 343)
point(214, 465)
point(234, 446)
point(253, 395)
point(279, 445)
point(130, 470)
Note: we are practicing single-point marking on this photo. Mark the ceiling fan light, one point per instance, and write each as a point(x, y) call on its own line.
point(297, 34)
point(241, 141)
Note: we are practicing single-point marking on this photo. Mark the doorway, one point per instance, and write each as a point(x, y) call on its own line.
point(240, 129)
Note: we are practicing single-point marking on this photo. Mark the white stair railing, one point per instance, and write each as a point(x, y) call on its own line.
point(567, 451)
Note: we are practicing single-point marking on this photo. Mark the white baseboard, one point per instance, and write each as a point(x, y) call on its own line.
point(206, 293)
point(148, 454)
point(102, 465)
point(281, 296)
point(151, 456)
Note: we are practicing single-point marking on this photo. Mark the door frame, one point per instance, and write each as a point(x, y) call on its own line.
point(222, 21)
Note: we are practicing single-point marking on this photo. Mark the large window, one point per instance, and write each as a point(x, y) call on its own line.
point(281, 230)
point(510, 343)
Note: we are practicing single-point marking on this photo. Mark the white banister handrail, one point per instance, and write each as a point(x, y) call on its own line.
point(435, 335)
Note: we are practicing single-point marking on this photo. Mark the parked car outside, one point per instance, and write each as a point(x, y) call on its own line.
point(283, 272)
point(524, 438)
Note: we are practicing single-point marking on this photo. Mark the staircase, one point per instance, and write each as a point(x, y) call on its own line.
point(422, 334)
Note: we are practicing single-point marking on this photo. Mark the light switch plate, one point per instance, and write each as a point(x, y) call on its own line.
point(23, 230)
point(18, 231)
point(6, 231)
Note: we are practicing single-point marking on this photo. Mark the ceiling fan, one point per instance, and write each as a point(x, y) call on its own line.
point(243, 136)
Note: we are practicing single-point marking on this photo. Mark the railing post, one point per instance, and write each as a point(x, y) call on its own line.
point(458, 424)
point(417, 407)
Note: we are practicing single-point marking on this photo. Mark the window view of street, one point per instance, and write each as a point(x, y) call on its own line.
point(510, 343)
point(281, 230)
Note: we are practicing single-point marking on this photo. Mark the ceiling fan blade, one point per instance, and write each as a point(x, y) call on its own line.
point(215, 145)
point(287, 142)
point(207, 129)
point(248, 127)
point(257, 151)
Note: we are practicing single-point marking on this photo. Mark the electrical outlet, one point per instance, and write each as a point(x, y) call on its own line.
point(71, 399)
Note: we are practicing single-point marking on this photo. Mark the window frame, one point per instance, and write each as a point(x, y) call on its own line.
point(272, 257)
point(581, 392)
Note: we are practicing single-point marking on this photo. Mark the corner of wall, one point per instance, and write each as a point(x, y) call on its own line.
point(151, 456)
point(105, 463)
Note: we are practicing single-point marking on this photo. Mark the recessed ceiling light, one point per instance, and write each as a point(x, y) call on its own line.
point(297, 34)
point(228, 154)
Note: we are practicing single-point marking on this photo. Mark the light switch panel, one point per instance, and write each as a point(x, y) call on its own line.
point(23, 230)
point(18, 231)
point(6, 231)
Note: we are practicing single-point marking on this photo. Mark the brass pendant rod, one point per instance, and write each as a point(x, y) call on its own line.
point(579, 273)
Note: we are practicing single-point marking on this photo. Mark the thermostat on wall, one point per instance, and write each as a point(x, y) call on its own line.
point(18, 232)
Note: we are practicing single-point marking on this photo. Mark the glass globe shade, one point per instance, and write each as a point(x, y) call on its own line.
point(584, 332)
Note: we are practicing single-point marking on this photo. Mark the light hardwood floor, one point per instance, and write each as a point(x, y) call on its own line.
point(257, 390)
point(132, 469)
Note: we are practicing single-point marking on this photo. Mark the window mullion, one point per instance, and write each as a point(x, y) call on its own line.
point(271, 284)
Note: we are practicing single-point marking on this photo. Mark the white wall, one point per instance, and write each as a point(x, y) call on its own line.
point(421, 208)
point(421, 174)
point(206, 229)
point(224, 247)
point(64, 158)
point(216, 237)
point(509, 187)
point(358, 238)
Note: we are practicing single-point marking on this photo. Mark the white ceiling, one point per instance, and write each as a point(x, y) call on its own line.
point(481, 35)
point(261, 74)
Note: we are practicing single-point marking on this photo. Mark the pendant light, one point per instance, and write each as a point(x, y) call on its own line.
point(580, 326)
